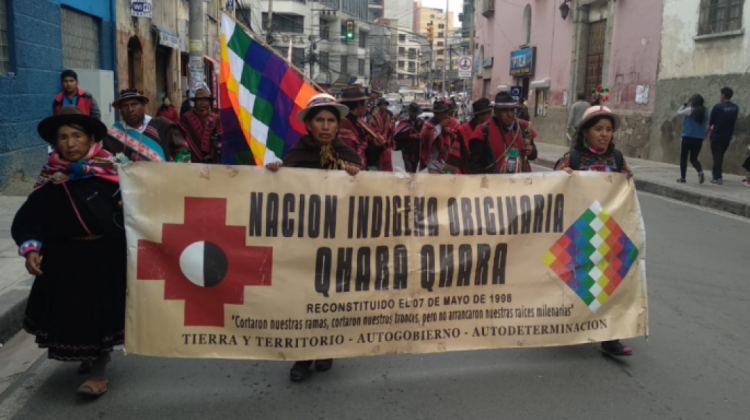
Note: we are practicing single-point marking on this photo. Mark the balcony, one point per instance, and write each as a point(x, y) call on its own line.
point(488, 8)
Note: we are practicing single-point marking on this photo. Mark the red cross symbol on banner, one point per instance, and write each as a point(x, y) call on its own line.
point(204, 262)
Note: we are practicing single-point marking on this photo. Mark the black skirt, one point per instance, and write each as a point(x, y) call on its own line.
point(77, 306)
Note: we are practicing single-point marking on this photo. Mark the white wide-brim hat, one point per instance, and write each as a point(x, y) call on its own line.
point(323, 99)
point(599, 111)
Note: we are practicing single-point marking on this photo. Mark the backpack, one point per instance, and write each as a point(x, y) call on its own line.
point(574, 160)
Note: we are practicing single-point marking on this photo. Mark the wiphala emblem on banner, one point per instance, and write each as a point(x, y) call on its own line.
point(204, 262)
point(593, 256)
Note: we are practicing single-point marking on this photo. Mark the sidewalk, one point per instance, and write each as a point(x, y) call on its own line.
point(661, 179)
point(15, 282)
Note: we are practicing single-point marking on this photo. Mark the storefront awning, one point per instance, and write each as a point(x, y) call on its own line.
point(167, 39)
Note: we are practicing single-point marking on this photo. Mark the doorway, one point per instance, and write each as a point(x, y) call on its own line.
point(595, 56)
point(135, 64)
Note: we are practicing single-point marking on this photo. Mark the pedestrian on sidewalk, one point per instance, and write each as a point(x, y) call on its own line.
point(694, 132)
point(320, 148)
point(594, 151)
point(166, 110)
point(73, 95)
point(70, 232)
point(522, 111)
point(746, 165)
point(722, 122)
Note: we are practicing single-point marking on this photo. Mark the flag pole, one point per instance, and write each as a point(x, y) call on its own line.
point(262, 42)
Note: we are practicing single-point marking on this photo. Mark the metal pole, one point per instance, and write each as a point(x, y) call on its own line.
point(197, 50)
point(445, 41)
point(270, 16)
point(432, 67)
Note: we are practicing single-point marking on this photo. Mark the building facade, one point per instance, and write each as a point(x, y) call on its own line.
point(39, 39)
point(442, 24)
point(316, 30)
point(549, 54)
point(705, 46)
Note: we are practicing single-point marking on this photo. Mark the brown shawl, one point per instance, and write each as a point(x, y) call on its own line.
point(308, 154)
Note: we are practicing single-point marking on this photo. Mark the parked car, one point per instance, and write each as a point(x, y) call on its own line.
point(426, 115)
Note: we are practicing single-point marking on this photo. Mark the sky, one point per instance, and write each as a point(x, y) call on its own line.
point(455, 6)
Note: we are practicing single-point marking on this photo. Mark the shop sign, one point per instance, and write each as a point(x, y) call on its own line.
point(523, 62)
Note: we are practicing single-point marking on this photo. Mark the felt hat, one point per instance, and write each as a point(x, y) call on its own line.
point(323, 99)
point(440, 106)
point(203, 93)
point(126, 94)
point(354, 93)
point(415, 108)
point(382, 101)
point(504, 100)
point(70, 114)
point(599, 111)
point(480, 106)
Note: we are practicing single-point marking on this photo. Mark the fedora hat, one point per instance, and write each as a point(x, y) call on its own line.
point(323, 99)
point(354, 93)
point(126, 94)
point(599, 111)
point(70, 114)
point(203, 93)
point(480, 106)
point(504, 100)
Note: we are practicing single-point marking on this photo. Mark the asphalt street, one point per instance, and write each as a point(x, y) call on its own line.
point(695, 365)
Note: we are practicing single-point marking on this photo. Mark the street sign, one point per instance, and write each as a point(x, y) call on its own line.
point(515, 92)
point(465, 64)
point(140, 8)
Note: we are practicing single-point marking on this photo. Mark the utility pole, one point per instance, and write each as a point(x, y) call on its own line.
point(270, 16)
point(195, 65)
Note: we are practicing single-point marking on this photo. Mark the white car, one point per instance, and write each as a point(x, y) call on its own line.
point(426, 115)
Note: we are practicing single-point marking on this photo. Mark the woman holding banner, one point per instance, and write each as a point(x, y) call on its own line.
point(70, 232)
point(321, 148)
point(594, 151)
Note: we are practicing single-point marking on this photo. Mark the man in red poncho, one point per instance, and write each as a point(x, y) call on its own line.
point(458, 155)
point(504, 144)
point(438, 135)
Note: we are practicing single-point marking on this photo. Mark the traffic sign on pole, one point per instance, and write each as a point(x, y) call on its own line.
point(465, 64)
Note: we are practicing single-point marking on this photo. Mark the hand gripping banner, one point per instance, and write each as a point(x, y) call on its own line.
point(242, 263)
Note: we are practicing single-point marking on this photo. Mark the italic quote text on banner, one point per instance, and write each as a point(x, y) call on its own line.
point(241, 262)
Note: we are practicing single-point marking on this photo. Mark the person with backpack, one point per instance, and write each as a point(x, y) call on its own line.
point(594, 151)
point(693, 133)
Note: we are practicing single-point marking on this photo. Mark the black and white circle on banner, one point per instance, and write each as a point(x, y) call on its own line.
point(204, 264)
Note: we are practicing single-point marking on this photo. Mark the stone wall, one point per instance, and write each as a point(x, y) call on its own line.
point(666, 128)
point(631, 138)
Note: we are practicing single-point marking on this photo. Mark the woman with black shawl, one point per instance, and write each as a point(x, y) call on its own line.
point(70, 232)
point(321, 148)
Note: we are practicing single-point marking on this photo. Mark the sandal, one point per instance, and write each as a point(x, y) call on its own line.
point(300, 371)
point(93, 388)
point(323, 365)
point(616, 348)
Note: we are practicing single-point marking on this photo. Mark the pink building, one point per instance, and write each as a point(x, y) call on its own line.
point(550, 50)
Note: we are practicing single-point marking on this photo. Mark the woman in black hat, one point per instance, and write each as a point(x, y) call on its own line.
point(70, 232)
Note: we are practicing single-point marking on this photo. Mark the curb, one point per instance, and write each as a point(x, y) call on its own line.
point(737, 208)
point(12, 310)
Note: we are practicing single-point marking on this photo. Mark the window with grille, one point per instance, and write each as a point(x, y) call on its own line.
point(325, 31)
point(362, 39)
point(440, 44)
point(400, 64)
point(402, 38)
point(286, 23)
point(344, 64)
point(4, 47)
point(401, 51)
point(441, 35)
point(323, 60)
point(717, 16)
point(412, 53)
point(441, 26)
point(361, 66)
